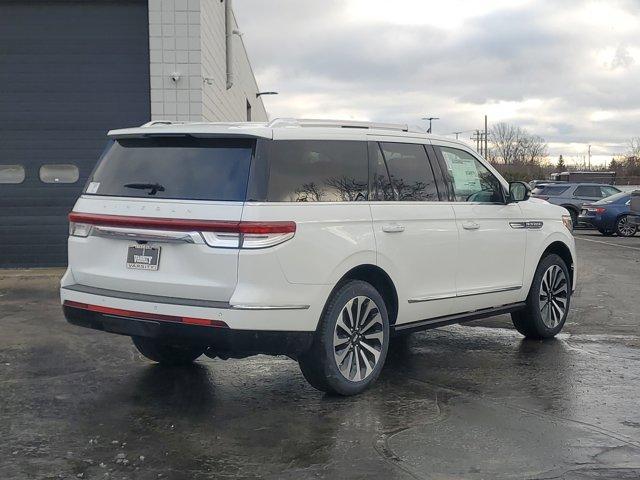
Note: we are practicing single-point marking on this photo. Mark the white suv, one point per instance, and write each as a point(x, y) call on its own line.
point(314, 239)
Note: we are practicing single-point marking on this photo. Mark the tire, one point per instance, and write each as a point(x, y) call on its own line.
point(330, 364)
point(624, 228)
point(164, 354)
point(574, 217)
point(541, 319)
point(606, 233)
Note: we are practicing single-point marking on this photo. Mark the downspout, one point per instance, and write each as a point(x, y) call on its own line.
point(228, 18)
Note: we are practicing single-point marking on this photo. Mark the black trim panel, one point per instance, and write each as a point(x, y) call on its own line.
point(142, 297)
point(220, 340)
point(457, 318)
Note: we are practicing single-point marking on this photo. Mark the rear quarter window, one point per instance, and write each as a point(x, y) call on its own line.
point(317, 171)
point(175, 168)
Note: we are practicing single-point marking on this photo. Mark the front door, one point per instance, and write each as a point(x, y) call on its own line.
point(492, 235)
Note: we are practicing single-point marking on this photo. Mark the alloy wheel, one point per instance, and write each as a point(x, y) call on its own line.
point(626, 229)
point(554, 292)
point(358, 338)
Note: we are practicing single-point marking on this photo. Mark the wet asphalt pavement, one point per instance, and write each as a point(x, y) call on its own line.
point(462, 402)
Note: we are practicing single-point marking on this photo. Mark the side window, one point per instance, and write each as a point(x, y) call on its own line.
point(410, 171)
point(12, 174)
point(381, 188)
point(587, 191)
point(317, 171)
point(471, 180)
point(63, 173)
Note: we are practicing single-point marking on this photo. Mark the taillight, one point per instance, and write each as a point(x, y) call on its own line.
point(598, 210)
point(216, 233)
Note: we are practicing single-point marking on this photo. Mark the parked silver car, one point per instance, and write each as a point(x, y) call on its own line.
point(573, 195)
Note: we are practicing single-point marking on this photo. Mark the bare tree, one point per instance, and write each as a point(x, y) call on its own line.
point(512, 145)
point(634, 147)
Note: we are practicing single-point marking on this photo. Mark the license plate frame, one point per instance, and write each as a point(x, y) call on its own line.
point(143, 257)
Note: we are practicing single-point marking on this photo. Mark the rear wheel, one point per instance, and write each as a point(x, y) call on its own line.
point(167, 354)
point(351, 342)
point(548, 301)
point(624, 228)
point(574, 217)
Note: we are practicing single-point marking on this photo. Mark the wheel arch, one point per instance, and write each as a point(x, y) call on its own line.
point(380, 280)
point(563, 251)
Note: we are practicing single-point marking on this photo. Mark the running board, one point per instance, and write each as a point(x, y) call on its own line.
point(457, 318)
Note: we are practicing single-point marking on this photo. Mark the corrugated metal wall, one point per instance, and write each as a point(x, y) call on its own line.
point(69, 72)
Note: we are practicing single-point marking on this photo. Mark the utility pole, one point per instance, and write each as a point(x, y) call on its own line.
point(589, 154)
point(430, 120)
point(478, 138)
point(486, 138)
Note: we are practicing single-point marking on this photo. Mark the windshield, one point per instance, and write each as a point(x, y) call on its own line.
point(618, 197)
point(174, 167)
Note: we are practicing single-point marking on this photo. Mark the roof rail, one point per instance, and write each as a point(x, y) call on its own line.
point(304, 122)
point(159, 122)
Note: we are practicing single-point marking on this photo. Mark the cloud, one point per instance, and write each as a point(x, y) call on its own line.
point(568, 71)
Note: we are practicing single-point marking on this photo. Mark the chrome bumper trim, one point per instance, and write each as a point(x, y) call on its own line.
point(187, 302)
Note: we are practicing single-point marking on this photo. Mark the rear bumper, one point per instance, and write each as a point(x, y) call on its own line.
point(596, 221)
point(220, 339)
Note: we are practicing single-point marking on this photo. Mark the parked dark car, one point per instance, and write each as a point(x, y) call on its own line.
point(573, 196)
point(610, 215)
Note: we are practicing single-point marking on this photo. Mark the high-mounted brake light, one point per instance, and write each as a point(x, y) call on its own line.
point(216, 233)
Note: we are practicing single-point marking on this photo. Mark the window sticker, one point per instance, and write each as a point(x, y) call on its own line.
point(464, 172)
point(93, 187)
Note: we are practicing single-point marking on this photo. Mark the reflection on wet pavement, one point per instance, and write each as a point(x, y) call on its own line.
point(472, 402)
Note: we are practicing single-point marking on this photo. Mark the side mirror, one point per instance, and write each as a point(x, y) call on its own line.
point(519, 192)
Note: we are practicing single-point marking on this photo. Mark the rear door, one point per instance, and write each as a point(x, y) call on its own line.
point(416, 235)
point(158, 217)
point(587, 193)
point(491, 250)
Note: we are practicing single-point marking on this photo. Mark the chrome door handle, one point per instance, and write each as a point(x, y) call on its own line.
point(471, 226)
point(393, 228)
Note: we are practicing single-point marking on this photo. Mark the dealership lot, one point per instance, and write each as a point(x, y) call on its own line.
point(460, 402)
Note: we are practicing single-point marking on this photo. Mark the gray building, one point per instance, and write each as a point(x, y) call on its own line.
point(70, 70)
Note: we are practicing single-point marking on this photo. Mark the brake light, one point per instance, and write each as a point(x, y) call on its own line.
point(599, 210)
point(216, 233)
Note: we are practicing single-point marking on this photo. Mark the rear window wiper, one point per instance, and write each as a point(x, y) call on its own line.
point(152, 187)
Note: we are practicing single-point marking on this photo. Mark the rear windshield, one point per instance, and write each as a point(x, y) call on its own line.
point(621, 197)
point(550, 189)
point(174, 167)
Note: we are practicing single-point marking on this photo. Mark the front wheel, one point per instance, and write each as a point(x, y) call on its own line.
point(351, 342)
point(165, 354)
point(624, 228)
point(548, 302)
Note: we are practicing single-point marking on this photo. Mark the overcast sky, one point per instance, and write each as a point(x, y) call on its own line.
point(566, 70)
